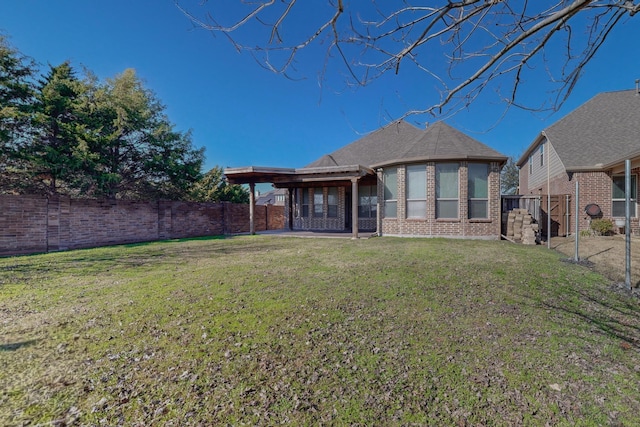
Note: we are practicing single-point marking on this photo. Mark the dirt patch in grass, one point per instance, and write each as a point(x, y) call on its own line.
point(605, 254)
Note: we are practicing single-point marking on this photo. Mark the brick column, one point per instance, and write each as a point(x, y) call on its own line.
point(252, 208)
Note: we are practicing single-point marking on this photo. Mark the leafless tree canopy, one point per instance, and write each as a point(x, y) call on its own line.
point(463, 45)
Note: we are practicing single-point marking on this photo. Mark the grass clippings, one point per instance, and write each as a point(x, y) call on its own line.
point(260, 330)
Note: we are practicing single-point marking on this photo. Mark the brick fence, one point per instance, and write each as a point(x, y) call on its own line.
point(30, 224)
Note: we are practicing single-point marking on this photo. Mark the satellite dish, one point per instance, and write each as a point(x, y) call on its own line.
point(593, 210)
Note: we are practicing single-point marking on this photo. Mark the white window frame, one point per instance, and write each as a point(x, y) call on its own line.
point(387, 202)
point(634, 207)
point(446, 199)
point(476, 199)
point(419, 201)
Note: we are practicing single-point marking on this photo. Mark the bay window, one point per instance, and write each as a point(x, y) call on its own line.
point(447, 190)
point(478, 190)
point(416, 191)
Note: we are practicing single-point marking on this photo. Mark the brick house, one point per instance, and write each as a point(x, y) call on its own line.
point(590, 146)
point(275, 197)
point(398, 180)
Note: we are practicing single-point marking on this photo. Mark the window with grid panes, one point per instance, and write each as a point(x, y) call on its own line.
point(391, 193)
point(478, 190)
point(447, 190)
point(416, 191)
point(318, 200)
point(367, 201)
point(618, 195)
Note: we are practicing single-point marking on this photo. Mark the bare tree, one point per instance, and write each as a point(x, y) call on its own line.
point(465, 46)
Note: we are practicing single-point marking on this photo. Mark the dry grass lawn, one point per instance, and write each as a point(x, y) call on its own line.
point(264, 330)
point(607, 253)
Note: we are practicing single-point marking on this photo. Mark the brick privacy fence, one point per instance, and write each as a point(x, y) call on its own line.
point(30, 224)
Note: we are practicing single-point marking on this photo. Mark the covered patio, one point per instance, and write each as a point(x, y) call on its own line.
point(346, 177)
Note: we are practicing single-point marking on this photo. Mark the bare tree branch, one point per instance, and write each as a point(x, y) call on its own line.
point(463, 46)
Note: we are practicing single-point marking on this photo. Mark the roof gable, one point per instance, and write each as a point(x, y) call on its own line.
point(373, 148)
point(600, 132)
point(441, 141)
point(400, 142)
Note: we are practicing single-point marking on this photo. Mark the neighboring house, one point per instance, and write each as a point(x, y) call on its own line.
point(590, 146)
point(273, 197)
point(398, 180)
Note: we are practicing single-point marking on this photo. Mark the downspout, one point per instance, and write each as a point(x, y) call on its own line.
point(380, 177)
point(431, 175)
point(627, 222)
point(463, 218)
point(548, 192)
point(567, 225)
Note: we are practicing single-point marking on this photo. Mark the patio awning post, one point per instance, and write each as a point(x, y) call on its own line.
point(290, 210)
point(354, 208)
point(252, 206)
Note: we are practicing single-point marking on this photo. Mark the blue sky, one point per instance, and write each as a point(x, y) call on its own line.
point(244, 115)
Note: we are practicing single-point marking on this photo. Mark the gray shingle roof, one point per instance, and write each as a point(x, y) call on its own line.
point(442, 141)
point(602, 131)
point(401, 141)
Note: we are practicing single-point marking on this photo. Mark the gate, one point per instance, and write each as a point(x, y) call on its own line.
point(560, 215)
point(537, 208)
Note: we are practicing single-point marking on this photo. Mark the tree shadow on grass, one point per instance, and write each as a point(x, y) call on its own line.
point(614, 313)
point(13, 346)
point(97, 260)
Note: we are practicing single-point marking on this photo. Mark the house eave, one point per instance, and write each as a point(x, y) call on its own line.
point(286, 176)
point(525, 156)
point(616, 165)
point(440, 158)
point(255, 174)
point(355, 169)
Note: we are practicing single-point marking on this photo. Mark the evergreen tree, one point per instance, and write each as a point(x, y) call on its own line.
point(510, 178)
point(58, 126)
point(16, 101)
point(213, 188)
point(84, 137)
point(132, 150)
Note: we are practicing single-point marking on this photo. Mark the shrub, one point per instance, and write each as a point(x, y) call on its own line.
point(602, 227)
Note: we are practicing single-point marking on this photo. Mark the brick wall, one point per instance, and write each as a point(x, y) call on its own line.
point(30, 224)
point(595, 187)
point(15, 212)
